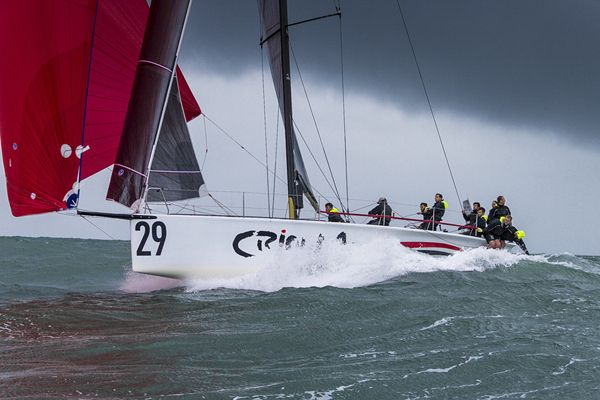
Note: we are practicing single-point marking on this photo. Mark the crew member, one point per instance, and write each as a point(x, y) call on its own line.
point(494, 205)
point(330, 210)
point(471, 218)
point(512, 234)
point(480, 223)
point(424, 208)
point(382, 208)
point(501, 210)
point(436, 212)
point(494, 232)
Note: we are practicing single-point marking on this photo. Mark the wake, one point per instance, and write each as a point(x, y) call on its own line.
point(355, 265)
point(350, 266)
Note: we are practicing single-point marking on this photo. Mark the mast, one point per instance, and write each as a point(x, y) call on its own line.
point(293, 197)
point(274, 20)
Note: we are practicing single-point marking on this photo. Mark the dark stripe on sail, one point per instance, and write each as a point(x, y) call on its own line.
point(161, 41)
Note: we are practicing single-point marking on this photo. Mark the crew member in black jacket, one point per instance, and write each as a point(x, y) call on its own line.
point(330, 212)
point(494, 231)
point(382, 208)
point(471, 218)
point(512, 234)
point(481, 222)
point(435, 213)
point(501, 210)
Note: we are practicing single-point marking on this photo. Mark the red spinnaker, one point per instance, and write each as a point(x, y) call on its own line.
point(53, 84)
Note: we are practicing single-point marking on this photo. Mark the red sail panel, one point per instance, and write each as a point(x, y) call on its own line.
point(45, 49)
point(118, 39)
point(190, 105)
point(119, 33)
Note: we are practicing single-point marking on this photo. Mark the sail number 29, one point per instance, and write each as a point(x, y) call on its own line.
point(159, 235)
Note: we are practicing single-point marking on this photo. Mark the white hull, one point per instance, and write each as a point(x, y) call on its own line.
point(184, 246)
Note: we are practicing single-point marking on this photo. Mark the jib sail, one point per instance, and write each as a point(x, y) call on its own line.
point(147, 108)
point(175, 173)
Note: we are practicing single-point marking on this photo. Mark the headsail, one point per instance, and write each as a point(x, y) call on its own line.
point(273, 19)
point(153, 78)
point(71, 69)
point(175, 173)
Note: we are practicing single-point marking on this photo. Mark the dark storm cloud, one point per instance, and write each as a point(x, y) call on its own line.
point(519, 63)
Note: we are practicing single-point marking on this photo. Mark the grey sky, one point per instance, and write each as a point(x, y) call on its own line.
point(512, 62)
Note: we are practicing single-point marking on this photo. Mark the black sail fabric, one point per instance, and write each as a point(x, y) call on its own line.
point(175, 173)
point(153, 75)
point(271, 33)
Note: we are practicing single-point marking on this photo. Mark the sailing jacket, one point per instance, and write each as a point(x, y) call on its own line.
point(496, 228)
point(481, 223)
point(438, 210)
point(470, 218)
point(382, 209)
point(512, 234)
point(335, 217)
point(497, 213)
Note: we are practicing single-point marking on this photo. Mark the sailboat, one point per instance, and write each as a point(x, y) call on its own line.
point(97, 85)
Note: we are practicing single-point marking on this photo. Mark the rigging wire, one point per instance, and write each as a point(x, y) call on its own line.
point(275, 162)
point(103, 231)
point(275, 176)
point(339, 9)
point(239, 144)
point(428, 100)
point(227, 210)
point(205, 142)
point(316, 162)
point(334, 187)
point(262, 62)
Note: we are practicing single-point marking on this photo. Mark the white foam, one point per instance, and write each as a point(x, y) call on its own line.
point(354, 265)
point(140, 283)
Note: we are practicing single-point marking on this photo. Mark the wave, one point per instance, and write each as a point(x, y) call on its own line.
point(356, 265)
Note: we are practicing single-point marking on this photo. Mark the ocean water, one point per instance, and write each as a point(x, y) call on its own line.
point(363, 322)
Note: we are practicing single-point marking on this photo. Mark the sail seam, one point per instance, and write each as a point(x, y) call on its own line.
point(175, 172)
point(156, 64)
point(130, 169)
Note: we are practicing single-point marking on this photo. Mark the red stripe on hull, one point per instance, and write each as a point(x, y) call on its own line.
point(417, 245)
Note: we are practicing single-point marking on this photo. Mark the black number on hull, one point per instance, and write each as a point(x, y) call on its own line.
point(160, 239)
point(140, 249)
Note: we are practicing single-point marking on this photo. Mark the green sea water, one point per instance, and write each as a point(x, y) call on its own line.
point(357, 323)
